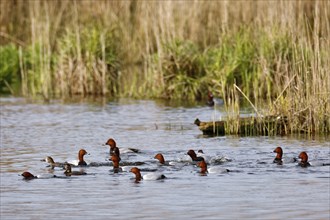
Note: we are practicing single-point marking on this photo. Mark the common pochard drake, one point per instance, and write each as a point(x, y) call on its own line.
point(216, 169)
point(52, 163)
point(115, 163)
point(193, 156)
point(28, 176)
point(68, 171)
point(114, 149)
point(303, 159)
point(148, 176)
point(81, 155)
point(278, 157)
point(162, 161)
point(160, 158)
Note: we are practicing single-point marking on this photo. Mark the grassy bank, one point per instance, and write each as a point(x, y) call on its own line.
point(275, 53)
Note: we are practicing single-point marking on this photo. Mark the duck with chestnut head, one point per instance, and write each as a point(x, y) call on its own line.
point(81, 155)
point(193, 156)
point(28, 176)
point(278, 157)
point(303, 159)
point(148, 176)
point(215, 169)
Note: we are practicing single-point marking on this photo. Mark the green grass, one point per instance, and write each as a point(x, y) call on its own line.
point(174, 50)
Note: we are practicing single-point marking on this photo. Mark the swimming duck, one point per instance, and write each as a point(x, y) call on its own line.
point(52, 163)
point(211, 101)
point(193, 156)
point(304, 159)
point(68, 171)
point(28, 176)
point(278, 158)
point(217, 159)
point(162, 161)
point(160, 158)
point(215, 169)
point(80, 161)
point(114, 149)
point(115, 162)
point(305, 163)
point(81, 155)
point(148, 176)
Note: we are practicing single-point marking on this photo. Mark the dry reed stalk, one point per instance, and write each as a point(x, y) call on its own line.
point(296, 77)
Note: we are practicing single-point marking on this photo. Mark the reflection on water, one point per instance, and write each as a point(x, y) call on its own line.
point(257, 189)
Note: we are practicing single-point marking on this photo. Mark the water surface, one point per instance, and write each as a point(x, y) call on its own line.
point(256, 189)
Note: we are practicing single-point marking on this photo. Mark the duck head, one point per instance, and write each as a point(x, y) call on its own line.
point(160, 158)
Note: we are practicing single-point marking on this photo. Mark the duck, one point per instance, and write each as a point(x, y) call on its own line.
point(29, 176)
point(216, 169)
point(211, 101)
point(193, 156)
point(114, 149)
point(81, 155)
point(303, 159)
point(278, 158)
point(80, 161)
point(115, 162)
point(162, 161)
point(305, 163)
point(52, 163)
point(68, 171)
point(148, 176)
point(160, 158)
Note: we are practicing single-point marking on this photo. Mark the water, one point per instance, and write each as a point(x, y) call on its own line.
point(256, 189)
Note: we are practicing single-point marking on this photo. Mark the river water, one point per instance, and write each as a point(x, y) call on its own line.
point(255, 189)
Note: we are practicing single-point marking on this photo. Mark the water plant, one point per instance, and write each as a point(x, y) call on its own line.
point(174, 50)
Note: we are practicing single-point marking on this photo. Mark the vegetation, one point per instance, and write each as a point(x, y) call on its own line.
point(275, 54)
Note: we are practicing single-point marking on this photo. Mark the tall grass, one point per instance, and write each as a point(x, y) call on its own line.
point(276, 52)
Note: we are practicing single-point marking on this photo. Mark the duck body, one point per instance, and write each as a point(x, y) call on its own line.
point(194, 157)
point(162, 161)
point(30, 176)
point(279, 157)
point(129, 150)
point(148, 176)
point(68, 171)
point(52, 163)
point(115, 163)
point(113, 147)
point(154, 176)
point(215, 169)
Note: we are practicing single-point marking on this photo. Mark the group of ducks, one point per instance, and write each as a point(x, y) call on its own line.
point(198, 159)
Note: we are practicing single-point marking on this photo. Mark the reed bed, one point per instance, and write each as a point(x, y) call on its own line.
point(276, 53)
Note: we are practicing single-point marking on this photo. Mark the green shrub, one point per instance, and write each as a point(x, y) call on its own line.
point(9, 69)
